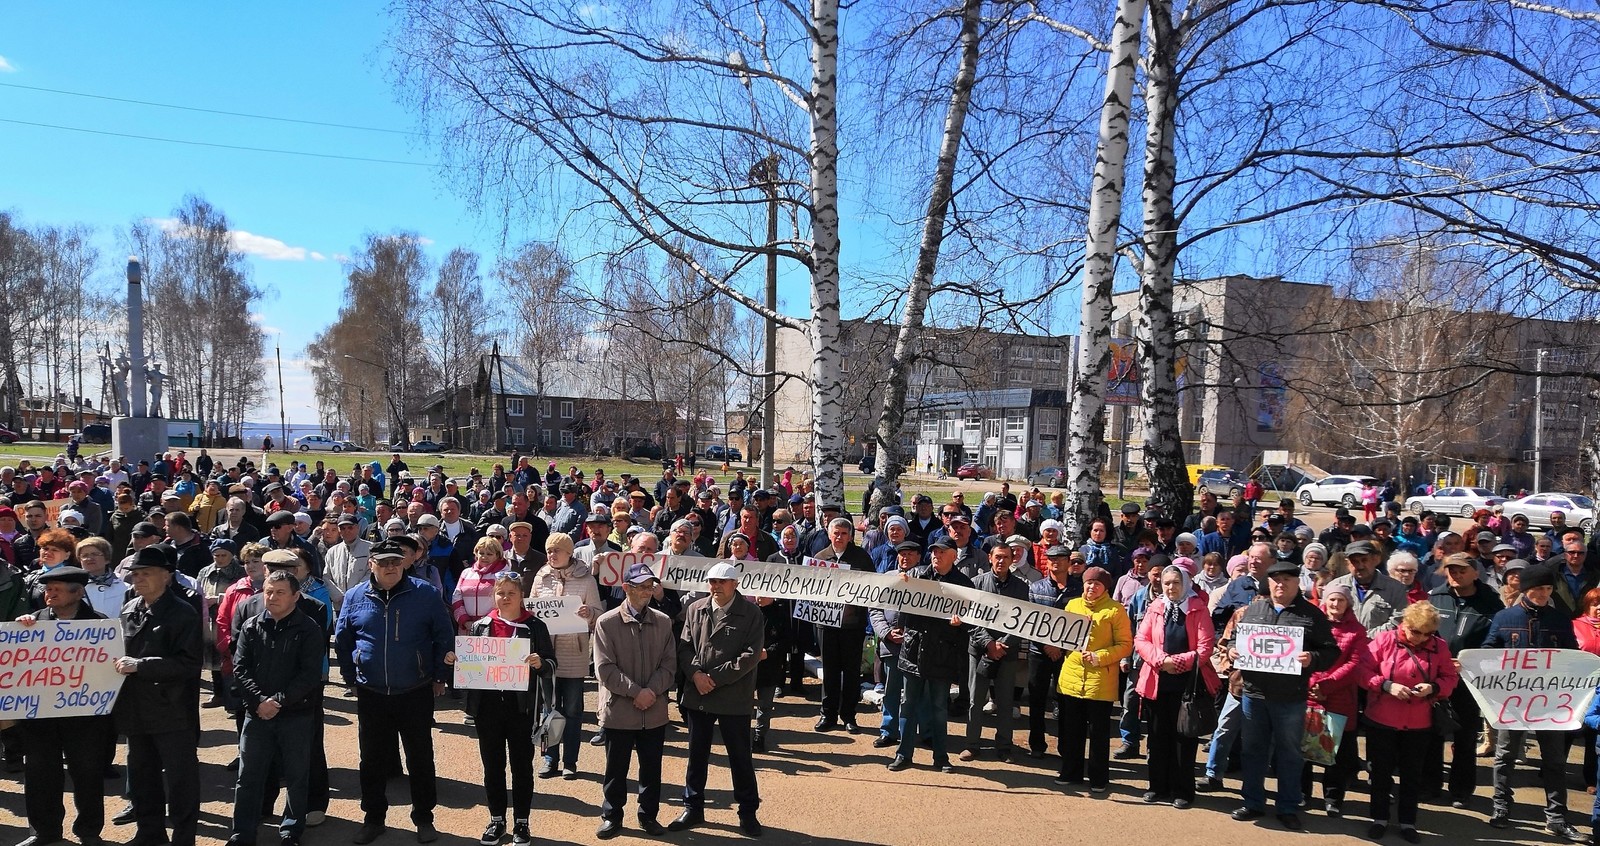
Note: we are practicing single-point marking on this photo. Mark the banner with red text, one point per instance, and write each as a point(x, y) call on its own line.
point(1531, 689)
point(59, 668)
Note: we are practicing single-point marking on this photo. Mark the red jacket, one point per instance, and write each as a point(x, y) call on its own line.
point(1587, 630)
point(1387, 659)
point(1338, 683)
point(1150, 643)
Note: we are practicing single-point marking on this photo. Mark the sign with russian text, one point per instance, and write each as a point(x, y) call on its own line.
point(1531, 689)
point(492, 663)
point(1020, 618)
point(829, 614)
point(559, 613)
point(1269, 649)
point(59, 668)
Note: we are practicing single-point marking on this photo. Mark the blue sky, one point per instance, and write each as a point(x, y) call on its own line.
point(295, 215)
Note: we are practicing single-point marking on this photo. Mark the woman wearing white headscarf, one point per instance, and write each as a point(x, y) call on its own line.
point(1175, 640)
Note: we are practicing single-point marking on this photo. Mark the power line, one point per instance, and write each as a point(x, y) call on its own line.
point(207, 111)
point(215, 145)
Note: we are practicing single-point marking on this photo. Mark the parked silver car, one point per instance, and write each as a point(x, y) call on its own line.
point(1579, 509)
point(1463, 501)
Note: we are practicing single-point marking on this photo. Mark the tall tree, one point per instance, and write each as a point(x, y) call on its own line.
point(454, 319)
point(545, 313)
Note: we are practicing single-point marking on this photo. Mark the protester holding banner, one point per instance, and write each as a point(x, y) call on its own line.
point(840, 648)
point(1089, 683)
point(888, 626)
point(995, 659)
point(277, 669)
point(802, 635)
point(563, 575)
point(933, 654)
point(84, 743)
point(506, 720)
point(159, 706)
point(1061, 584)
point(1175, 640)
point(1275, 684)
point(1467, 607)
point(1533, 623)
point(1407, 670)
point(1334, 690)
point(635, 661)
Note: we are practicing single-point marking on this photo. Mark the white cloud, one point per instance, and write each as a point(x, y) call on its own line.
point(251, 244)
point(6, 67)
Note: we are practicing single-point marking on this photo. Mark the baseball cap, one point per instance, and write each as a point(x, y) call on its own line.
point(640, 574)
point(280, 558)
point(428, 520)
point(387, 550)
point(146, 530)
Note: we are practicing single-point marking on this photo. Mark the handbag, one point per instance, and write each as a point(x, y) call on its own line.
point(1443, 713)
point(1324, 732)
point(547, 733)
point(1197, 712)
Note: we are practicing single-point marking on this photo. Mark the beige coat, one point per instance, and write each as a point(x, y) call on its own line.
point(572, 650)
point(628, 658)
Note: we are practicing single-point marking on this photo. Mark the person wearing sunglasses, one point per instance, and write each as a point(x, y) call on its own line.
point(505, 720)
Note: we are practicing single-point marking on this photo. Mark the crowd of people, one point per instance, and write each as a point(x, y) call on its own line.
point(236, 579)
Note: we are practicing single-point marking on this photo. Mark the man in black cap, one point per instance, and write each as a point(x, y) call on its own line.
point(598, 527)
point(932, 655)
point(1129, 525)
point(281, 535)
point(1061, 584)
point(1533, 623)
point(1274, 704)
point(158, 708)
point(85, 743)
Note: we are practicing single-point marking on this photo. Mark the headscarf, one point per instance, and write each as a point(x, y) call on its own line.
point(377, 473)
point(1175, 610)
point(1237, 565)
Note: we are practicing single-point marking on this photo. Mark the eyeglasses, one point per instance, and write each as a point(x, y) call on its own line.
point(1424, 632)
point(1403, 570)
point(948, 513)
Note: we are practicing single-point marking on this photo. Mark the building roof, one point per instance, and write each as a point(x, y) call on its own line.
point(571, 378)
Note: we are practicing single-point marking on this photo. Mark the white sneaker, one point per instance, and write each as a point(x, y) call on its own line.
point(988, 707)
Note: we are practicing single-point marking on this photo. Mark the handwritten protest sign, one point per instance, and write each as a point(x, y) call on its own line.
point(1269, 649)
point(829, 614)
point(492, 663)
point(559, 613)
point(1531, 689)
point(1027, 620)
point(59, 668)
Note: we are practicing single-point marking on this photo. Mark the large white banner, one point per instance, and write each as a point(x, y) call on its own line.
point(1531, 689)
point(59, 668)
point(1027, 620)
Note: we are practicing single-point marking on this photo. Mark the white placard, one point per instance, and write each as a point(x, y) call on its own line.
point(559, 613)
point(1531, 689)
point(59, 668)
point(1269, 649)
point(492, 663)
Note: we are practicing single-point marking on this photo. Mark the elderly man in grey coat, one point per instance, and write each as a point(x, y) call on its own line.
point(719, 651)
point(635, 661)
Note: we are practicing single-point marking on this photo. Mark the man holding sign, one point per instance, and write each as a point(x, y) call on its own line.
point(82, 741)
point(1280, 641)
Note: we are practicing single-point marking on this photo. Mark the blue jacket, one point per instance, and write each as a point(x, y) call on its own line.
point(1416, 544)
point(393, 641)
point(1228, 546)
point(1527, 626)
point(1236, 595)
point(1591, 720)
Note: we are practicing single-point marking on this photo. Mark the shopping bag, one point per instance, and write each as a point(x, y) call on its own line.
point(1324, 730)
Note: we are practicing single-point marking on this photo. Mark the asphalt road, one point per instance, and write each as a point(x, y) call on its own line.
point(818, 789)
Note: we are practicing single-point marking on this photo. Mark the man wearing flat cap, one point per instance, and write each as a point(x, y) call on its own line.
point(83, 743)
point(1376, 599)
point(158, 708)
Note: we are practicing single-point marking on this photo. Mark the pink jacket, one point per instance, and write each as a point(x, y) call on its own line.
point(1339, 682)
point(1388, 659)
point(474, 595)
point(1151, 639)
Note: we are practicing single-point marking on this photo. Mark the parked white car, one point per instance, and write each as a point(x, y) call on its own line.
point(310, 443)
point(1463, 501)
point(1333, 490)
point(1578, 509)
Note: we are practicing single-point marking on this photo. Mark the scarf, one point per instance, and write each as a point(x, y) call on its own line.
point(1175, 611)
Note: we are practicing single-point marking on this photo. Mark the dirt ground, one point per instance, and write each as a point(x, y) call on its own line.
point(817, 789)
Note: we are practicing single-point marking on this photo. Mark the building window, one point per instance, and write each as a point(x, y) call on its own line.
point(544, 437)
point(515, 436)
point(514, 408)
point(1052, 354)
point(991, 428)
point(1049, 423)
point(544, 408)
point(1020, 376)
point(566, 409)
point(1016, 420)
point(566, 438)
point(974, 419)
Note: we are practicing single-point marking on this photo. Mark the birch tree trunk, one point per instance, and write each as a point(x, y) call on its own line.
point(1087, 453)
point(1170, 488)
point(892, 419)
point(827, 377)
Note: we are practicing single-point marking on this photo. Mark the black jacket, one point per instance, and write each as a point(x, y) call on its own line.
point(1464, 621)
point(530, 701)
point(855, 616)
point(932, 648)
point(1279, 687)
point(164, 695)
point(279, 659)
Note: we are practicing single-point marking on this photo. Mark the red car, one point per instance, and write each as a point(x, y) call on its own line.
point(974, 470)
point(8, 437)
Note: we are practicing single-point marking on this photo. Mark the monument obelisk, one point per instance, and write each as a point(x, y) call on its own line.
point(138, 436)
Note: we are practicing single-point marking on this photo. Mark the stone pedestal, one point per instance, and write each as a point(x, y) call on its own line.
point(138, 438)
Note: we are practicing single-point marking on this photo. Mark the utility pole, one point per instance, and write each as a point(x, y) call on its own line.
point(1538, 422)
point(283, 418)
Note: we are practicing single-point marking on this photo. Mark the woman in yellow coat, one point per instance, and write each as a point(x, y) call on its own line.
point(1089, 684)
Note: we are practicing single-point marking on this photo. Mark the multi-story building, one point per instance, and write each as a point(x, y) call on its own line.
point(959, 371)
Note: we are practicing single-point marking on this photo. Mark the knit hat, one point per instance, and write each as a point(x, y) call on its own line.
point(1539, 575)
point(1098, 574)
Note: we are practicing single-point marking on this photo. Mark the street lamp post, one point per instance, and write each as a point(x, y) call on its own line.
point(1538, 422)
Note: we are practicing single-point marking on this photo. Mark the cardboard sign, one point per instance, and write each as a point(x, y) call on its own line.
point(1531, 689)
point(559, 613)
point(492, 663)
point(1269, 649)
point(59, 668)
point(829, 614)
point(1020, 618)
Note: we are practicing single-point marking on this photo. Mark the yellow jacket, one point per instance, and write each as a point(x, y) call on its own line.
point(1110, 639)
